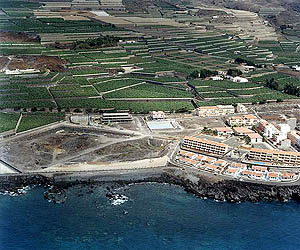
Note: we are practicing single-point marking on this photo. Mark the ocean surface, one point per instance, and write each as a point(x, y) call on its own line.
point(150, 216)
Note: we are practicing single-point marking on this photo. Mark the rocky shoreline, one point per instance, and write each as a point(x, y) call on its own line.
point(221, 191)
point(236, 191)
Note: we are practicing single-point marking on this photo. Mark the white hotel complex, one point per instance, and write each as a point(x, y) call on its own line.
point(203, 145)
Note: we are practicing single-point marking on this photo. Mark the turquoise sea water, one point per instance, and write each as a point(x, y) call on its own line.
point(154, 217)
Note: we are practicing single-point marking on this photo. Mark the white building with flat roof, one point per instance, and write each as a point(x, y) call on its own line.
point(158, 115)
point(239, 79)
point(242, 121)
point(219, 110)
point(116, 117)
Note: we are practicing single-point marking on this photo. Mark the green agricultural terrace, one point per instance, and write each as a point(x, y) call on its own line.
point(75, 60)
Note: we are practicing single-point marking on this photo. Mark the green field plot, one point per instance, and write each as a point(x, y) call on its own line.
point(87, 71)
point(255, 99)
point(223, 84)
point(73, 80)
point(161, 79)
point(27, 104)
point(167, 65)
point(264, 78)
point(17, 4)
point(288, 80)
point(100, 56)
point(252, 91)
point(15, 13)
point(216, 95)
point(15, 92)
point(136, 107)
point(30, 121)
point(8, 121)
point(73, 91)
point(203, 89)
point(20, 50)
point(97, 80)
point(149, 91)
point(59, 25)
point(229, 48)
point(115, 84)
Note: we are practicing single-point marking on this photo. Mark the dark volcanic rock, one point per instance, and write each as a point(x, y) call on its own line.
point(236, 191)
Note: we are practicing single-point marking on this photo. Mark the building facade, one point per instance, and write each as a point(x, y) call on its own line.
point(158, 115)
point(116, 117)
point(219, 110)
point(274, 156)
point(223, 131)
point(243, 121)
point(203, 145)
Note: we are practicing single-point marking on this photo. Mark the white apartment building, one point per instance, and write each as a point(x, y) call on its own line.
point(294, 137)
point(203, 145)
point(219, 110)
point(276, 133)
point(274, 156)
point(158, 115)
point(243, 121)
point(240, 108)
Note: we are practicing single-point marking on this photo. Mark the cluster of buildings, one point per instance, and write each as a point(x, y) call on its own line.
point(240, 126)
point(280, 135)
point(223, 75)
point(202, 162)
point(242, 121)
point(254, 156)
point(220, 110)
point(104, 118)
point(232, 169)
point(258, 173)
point(157, 115)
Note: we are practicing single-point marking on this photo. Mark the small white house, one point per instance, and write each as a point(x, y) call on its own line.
point(296, 68)
point(240, 108)
point(255, 138)
point(217, 78)
point(158, 115)
point(246, 68)
point(239, 79)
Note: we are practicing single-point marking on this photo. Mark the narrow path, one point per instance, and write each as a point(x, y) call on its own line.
point(126, 87)
point(18, 123)
point(53, 98)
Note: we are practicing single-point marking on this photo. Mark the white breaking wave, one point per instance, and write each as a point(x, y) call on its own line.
point(118, 199)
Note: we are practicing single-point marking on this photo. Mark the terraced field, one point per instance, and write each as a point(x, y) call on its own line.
point(8, 121)
point(161, 57)
point(30, 121)
point(149, 91)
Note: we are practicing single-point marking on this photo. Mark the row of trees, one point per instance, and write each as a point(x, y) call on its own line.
point(288, 88)
point(234, 72)
point(247, 62)
point(203, 73)
point(102, 41)
point(242, 60)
